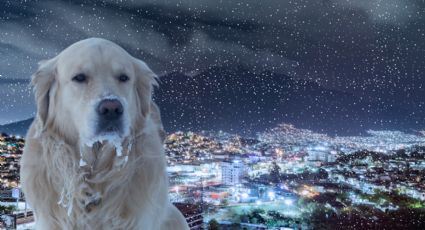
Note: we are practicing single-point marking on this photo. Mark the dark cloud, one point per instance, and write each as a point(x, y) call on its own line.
point(370, 48)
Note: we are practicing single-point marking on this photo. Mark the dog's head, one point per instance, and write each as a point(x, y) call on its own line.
point(93, 89)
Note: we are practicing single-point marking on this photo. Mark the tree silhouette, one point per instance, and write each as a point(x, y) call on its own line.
point(275, 173)
point(213, 225)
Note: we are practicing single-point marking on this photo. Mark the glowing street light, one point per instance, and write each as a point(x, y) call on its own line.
point(271, 195)
point(304, 192)
point(288, 201)
point(279, 152)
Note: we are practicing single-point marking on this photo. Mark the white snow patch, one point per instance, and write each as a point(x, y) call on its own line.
point(121, 162)
point(82, 163)
point(113, 139)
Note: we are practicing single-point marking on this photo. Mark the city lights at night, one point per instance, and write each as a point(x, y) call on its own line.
point(276, 114)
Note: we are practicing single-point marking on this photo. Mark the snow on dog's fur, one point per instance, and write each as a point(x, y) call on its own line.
point(76, 178)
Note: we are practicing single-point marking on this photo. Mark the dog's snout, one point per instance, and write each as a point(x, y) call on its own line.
point(110, 109)
point(109, 112)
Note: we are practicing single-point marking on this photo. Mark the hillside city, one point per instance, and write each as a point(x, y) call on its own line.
point(285, 177)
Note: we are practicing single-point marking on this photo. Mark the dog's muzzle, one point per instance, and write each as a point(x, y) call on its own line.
point(109, 112)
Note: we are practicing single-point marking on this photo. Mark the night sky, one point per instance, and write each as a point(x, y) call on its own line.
point(334, 66)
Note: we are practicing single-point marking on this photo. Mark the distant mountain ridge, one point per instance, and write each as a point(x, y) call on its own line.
point(17, 128)
point(237, 100)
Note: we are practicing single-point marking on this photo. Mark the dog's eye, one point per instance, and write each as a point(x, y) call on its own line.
point(80, 78)
point(123, 78)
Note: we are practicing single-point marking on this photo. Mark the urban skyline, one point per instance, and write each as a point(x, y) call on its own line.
point(293, 176)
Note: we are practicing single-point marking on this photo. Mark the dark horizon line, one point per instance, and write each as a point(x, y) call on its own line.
point(244, 135)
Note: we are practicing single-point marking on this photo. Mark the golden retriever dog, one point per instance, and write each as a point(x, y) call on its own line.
point(94, 155)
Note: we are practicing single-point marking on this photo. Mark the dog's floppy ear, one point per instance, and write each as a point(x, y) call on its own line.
point(42, 81)
point(145, 80)
point(156, 116)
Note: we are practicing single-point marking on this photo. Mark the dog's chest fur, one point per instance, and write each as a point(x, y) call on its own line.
point(105, 192)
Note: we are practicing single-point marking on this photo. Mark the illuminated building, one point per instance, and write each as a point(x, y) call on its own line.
point(232, 171)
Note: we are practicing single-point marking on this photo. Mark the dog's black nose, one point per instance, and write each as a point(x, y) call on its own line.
point(110, 109)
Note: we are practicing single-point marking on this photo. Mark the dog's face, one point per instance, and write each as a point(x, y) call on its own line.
point(93, 89)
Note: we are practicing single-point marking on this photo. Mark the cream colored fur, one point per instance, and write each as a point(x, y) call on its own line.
point(107, 192)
